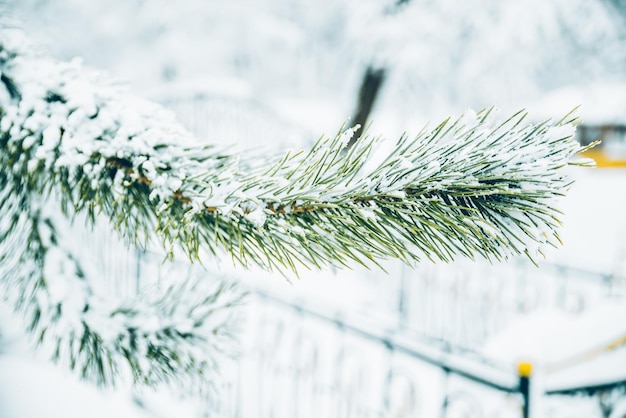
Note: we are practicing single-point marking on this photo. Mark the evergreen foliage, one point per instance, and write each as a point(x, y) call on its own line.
point(74, 144)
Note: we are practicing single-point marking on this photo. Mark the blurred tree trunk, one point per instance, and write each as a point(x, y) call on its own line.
point(370, 86)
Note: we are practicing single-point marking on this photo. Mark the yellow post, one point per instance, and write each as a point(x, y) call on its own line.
point(524, 371)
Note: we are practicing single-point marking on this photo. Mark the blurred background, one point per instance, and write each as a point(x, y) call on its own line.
point(437, 340)
point(306, 60)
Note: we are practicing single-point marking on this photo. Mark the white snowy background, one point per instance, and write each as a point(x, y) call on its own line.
point(276, 74)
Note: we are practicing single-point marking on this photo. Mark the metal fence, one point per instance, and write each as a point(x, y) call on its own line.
point(313, 364)
point(315, 359)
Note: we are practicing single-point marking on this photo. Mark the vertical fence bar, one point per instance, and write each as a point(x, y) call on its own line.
point(403, 299)
point(138, 260)
point(446, 399)
point(524, 371)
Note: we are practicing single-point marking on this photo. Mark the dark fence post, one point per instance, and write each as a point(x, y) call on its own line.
point(524, 371)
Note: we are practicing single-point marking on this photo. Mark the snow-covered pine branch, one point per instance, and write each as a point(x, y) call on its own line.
point(473, 186)
point(469, 187)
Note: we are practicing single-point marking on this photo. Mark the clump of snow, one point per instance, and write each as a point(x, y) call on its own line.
point(257, 216)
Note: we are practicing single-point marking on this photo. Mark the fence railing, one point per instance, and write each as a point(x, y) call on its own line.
point(372, 371)
point(351, 367)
